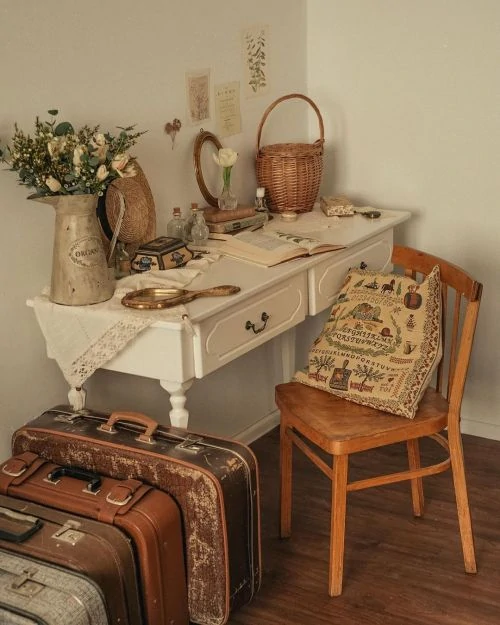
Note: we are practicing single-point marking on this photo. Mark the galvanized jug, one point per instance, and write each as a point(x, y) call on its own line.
point(79, 269)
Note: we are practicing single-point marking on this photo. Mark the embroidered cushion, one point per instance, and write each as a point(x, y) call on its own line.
point(381, 343)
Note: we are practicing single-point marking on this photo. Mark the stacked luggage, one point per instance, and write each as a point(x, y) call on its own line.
point(163, 524)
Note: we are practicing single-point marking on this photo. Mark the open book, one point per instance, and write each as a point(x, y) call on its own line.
point(266, 247)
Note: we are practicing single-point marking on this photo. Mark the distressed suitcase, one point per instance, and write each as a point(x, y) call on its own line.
point(215, 481)
point(147, 515)
point(98, 551)
point(33, 592)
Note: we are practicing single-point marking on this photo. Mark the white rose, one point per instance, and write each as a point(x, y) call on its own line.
point(99, 139)
point(56, 146)
point(77, 155)
point(119, 163)
point(102, 173)
point(226, 157)
point(53, 184)
point(129, 171)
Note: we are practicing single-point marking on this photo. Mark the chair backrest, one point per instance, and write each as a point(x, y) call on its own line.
point(461, 296)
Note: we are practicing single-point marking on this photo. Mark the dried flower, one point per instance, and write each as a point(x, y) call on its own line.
point(59, 160)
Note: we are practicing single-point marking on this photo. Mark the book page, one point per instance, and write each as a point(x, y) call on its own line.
point(263, 241)
point(308, 243)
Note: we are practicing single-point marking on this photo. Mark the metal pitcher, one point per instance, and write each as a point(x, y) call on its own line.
point(79, 269)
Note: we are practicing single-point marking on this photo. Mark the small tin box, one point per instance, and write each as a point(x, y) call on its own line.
point(161, 253)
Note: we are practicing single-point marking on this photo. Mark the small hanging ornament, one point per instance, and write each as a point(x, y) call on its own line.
point(172, 128)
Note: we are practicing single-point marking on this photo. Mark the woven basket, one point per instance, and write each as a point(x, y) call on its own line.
point(290, 172)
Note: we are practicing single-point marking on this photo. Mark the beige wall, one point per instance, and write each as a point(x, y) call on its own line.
point(123, 63)
point(410, 98)
point(412, 95)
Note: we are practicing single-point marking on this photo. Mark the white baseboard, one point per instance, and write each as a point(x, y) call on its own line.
point(480, 428)
point(258, 429)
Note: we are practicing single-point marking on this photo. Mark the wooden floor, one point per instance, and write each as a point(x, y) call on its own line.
point(398, 570)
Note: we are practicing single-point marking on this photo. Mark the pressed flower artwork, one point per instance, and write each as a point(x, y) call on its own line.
point(256, 60)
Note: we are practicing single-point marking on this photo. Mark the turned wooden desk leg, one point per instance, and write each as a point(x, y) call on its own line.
point(179, 416)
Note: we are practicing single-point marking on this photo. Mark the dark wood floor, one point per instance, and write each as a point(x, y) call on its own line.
point(398, 570)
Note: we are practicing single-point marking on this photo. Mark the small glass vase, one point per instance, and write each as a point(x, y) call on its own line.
point(227, 200)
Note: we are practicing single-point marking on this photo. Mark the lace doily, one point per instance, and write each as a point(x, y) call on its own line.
point(83, 338)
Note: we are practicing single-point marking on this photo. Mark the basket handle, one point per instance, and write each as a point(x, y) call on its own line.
point(289, 97)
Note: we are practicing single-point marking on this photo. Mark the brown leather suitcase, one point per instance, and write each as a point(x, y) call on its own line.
point(214, 480)
point(149, 517)
point(98, 551)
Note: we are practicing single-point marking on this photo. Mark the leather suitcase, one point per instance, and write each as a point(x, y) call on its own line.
point(215, 482)
point(99, 551)
point(147, 515)
point(36, 593)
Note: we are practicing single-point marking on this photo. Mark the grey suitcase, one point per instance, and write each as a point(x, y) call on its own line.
point(34, 593)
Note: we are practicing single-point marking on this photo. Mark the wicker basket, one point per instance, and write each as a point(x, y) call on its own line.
point(290, 172)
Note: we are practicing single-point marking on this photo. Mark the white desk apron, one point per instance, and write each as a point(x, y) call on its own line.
point(271, 303)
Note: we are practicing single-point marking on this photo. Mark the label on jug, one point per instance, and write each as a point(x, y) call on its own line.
point(87, 252)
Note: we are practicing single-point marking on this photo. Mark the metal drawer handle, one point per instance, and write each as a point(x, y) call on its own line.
point(249, 325)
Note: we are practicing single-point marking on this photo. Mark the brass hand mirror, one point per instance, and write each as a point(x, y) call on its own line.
point(156, 298)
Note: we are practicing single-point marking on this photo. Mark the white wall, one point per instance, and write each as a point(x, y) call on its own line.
point(119, 63)
point(410, 97)
point(411, 93)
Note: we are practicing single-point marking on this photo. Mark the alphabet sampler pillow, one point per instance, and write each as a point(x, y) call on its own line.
point(381, 343)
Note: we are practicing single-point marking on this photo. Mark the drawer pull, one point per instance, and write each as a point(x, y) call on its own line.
point(249, 325)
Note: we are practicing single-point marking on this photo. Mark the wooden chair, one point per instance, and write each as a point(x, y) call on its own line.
point(340, 427)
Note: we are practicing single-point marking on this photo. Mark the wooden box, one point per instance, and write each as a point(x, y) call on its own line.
point(161, 253)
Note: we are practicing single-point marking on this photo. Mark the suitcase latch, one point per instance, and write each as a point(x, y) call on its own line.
point(191, 443)
point(69, 533)
point(24, 584)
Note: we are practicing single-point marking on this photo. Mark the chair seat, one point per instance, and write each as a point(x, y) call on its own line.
point(341, 427)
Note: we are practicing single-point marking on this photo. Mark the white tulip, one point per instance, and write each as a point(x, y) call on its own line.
point(77, 155)
point(226, 157)
point(119, 163)
point(53, 184)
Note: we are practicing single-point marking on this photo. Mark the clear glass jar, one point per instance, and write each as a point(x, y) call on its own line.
point(260, 202)
point(177, 225)
point(122, 261)
point(227, 199)
point(189, 223)
point(199, 230)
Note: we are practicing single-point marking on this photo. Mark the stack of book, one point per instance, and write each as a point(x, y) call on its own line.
point(230, 221)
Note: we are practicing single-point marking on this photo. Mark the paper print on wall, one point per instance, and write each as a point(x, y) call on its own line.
point(255, 48)
point(227, 109)
point(198, 96)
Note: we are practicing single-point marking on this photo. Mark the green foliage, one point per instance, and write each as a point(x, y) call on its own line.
point(58, 159)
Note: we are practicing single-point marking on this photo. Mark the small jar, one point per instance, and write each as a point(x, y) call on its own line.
point(177, 225)
point(122, 261)
point(199, 230)
point(260, 202)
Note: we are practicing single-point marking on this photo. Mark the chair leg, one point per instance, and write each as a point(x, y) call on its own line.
point(417, 486)
point(337, 524)
point(460, 484)
point(285, 483)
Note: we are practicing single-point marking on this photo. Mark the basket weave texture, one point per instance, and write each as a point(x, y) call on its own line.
point(290, 172)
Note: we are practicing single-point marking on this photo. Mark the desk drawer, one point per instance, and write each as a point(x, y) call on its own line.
point(325, 279)
point(225, 336)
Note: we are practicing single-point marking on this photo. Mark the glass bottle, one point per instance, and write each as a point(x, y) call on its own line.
point(199, 230)
point(189, 223)
point(177, 225)
point(122, 261)
point(260, 202)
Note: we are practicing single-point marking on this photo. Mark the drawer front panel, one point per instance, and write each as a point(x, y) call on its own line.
point(326, 278)
point(230, 334)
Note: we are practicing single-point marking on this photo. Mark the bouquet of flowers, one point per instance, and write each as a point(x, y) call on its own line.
point(59, 160)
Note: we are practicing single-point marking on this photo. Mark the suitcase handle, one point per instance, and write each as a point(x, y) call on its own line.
point(28, 525)
point(93, 480)
point(149, 424)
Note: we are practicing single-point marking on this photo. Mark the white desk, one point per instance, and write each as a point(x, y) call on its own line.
point(225, 328)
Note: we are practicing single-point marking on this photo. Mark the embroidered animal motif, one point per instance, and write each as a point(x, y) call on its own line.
point(388, 286)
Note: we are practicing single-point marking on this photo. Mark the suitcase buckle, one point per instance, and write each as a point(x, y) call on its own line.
point(14, 471)
point(191, 443)
point(118, 502)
